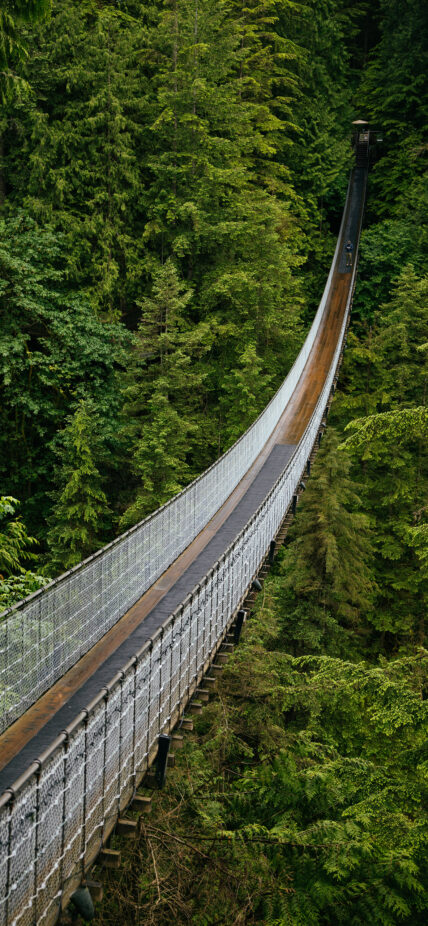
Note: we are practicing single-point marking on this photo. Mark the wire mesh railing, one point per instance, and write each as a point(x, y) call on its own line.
point(55, 819)
point(47, 633)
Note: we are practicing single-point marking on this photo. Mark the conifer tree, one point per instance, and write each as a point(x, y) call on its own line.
point(327, 568)
point(233, 240)
point(15, 542)
point(391, 364)
point(53, 351)
point(16, 554)
point(80, 513)
point(13, 48)
point(162, 397)
point(82, 133)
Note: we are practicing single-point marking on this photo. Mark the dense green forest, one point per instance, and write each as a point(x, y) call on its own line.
point(171, 181)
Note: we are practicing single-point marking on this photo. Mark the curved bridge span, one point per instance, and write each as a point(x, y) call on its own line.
point(99, 664)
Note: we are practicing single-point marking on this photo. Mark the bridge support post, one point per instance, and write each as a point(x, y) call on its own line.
point(294, 504)
point(308, 468)
point(240, 618)
point(272, 548)
point(164, 743)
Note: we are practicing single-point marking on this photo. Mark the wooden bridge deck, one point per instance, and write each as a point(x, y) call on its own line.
point(29, 736)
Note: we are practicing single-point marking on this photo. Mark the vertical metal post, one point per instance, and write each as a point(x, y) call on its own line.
point(9, 855)
point(308, 467)
point(171, 648)
point(190, 642)
point(85, 779)
point(180, 669)
point(64, 815)
point(103, 798)
point(240, 618)
point(160, 681)
point(134, 729)
point(210, 637)
point(36, 844)
point(272, 548)
point(294, 504)
point(119, 777)
point(149, 704)
point(162, 759)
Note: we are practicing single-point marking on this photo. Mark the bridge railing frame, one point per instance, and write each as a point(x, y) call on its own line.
point(55, 819)
point(45, 634)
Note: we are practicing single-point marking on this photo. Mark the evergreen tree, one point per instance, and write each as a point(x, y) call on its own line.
point(391, 364)
point(327, 565)
point(53, 351)
point(162, 399)
point(394, 91)
point(80, 513)
point(14, 539)
point(13, 49)
point(16, 581)
point(234, 242)
point(82, 144)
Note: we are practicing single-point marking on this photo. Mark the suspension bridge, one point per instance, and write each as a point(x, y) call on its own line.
point(101, 665)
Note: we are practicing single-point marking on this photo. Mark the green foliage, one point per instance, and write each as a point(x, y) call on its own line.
point(16, 545)
point(13, 47)
point(385, 381)
point(163, 394)
point(300, 799)
point(394, 93)
point(15, 588)
point(53, 351)
point(81, 511)
point(378, 433)
point(14, 539)
point(328, 580)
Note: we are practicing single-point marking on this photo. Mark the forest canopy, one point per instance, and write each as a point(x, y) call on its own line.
point(172, 176)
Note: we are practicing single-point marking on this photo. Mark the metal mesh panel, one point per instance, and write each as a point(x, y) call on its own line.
point(165, 678)
point(5, 846)
point(185, 650)
point(175, 661)
point(154, 693)
point(19, 901)
point(127, 736)
point(142, 696)
point(192, 640)
point(94, 778)
point(49, 845)
point(73, 804)
point(112, 759)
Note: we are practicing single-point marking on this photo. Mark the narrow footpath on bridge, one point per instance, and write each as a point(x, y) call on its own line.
point(33, 733)
point(54, 812)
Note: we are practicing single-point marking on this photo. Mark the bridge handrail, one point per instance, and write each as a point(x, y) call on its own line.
point(55, 818)
point(46, 633)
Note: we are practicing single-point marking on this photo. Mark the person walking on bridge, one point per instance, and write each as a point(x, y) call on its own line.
point(349, 247)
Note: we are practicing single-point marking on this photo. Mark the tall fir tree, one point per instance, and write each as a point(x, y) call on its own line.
point(80, 514)
point(327, 567)
point(163, 398)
